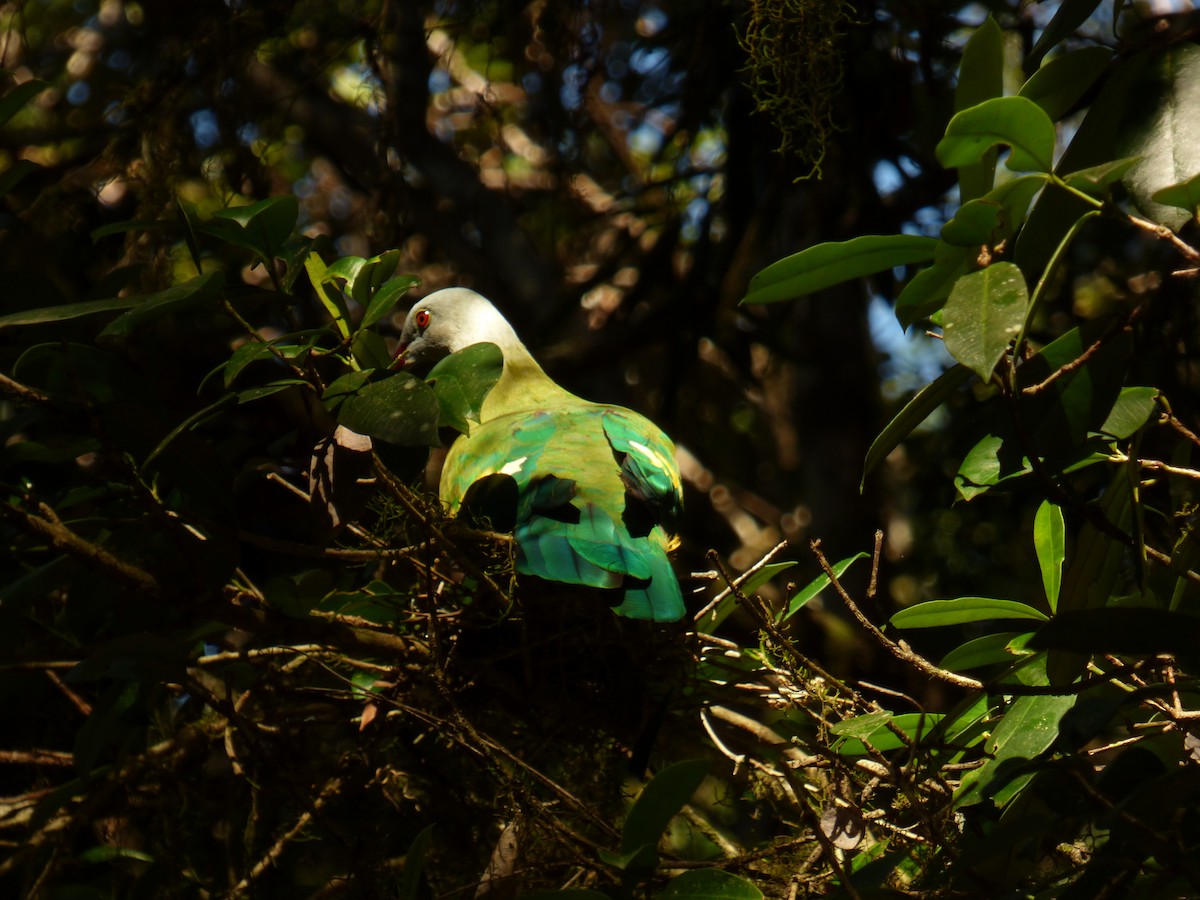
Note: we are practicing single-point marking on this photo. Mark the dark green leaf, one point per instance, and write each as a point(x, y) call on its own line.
point(980, 78)
point(18, 98)
point(1058, 85)
point(828, 264)
point(414, 865)
point(67, 311)
point(1002, 647)
point(994, 218)
point(1131, 411)
point(399, 409)
point(266, 225)
point(1164, 130)
point(1015, 121)
point(1050, 543)
point(1069, 16)
point(818, 584)
point(660, 801)
point(386, 298)
point(916, 411)
point(984, 314)
point(1185, 195)
point(370, 350)
point(14, 174)
point(709, 884)
point(201, 289)
point(462, 380)
point(763, 575)
point(1098, 179)
point(926, 292)
point(963, 610)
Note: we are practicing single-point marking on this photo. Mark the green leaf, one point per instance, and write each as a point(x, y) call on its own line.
point(399, 409)
point(462, 380)
point(67, 311)
point(709, 884)
point(1050, 542)
point(926, 292)
point(763, 575)
point(201, 289)
point(828, 264)
point(265, 225)
point(993, 218)
point(914, 726)
point(1185, 195)
point(916, 411)
point(19, 97)
point(334, 303)
point(1058, 85)
point(819, 584)
point(1164, 129)
point(963, 610)
point(414, 865)
point(980, 78)
point(1029, 726)
point(1098, 558)
point(1002, 647)
point(660, 801)
point(983, 315)
point(1069, 16)
point(370, 350)
point(991, 461)
point(862, 727)
point(1132, 410)
point(15, 173)
point(386, 298)
point(1016, 121)
point(1099, 179)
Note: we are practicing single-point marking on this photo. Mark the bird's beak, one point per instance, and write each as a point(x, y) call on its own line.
point(399, 361)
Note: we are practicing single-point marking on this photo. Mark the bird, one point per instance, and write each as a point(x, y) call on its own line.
point(590, 491)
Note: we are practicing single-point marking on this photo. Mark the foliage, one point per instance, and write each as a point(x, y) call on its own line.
point(244, 654)
point(1070, 762)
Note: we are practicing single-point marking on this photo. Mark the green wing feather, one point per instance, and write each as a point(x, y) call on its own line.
point(595, 486)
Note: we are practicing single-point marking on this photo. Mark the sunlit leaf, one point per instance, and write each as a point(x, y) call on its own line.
point(1185, 195)
point(980, 78)
point(818, 584)
point(983, 315)
point(399, 409)
point(1050, 542)
point(828, 264)
point(1058, 85)
point(1014, 121)
point(462, 381)
point(989, 650)
point(963, 610)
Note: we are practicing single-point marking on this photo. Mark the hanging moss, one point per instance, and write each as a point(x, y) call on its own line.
point(794, 70)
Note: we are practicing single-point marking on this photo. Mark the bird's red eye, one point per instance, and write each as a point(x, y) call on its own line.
point(422, 318)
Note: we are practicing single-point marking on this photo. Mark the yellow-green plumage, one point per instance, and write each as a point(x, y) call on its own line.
point(591, 492)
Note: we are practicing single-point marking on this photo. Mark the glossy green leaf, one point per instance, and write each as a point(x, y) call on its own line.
point(1058, 85)
point(1099, 179)
point(333, 301)
point(819, 584)
point(916, 411)
point(1132, 410)
point(828, 264)
point(1068, 17)
point(1185, 195)
point(989, 650)
point(1029, 726)
point(914, 726)
point(963, 610)
point(991, 461)
point(265, 226)
point(1164, 130)
point(709, 884)
point(414, 865)
point(1098, 558)
point(19, 97)
point(1014, 121)
point(67, 311)
point(926, 292)
point(399, 409)
point(993, 218)
point(983, 315)
point(980, 78)
point(370, 350)
point(1050, 542)
point(660, 801)
point(201, 289)
point(862, 727)
point(763, 575)
point(462, 380)
point(386, 298)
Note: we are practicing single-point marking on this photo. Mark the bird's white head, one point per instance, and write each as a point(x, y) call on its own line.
point(447, 321)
